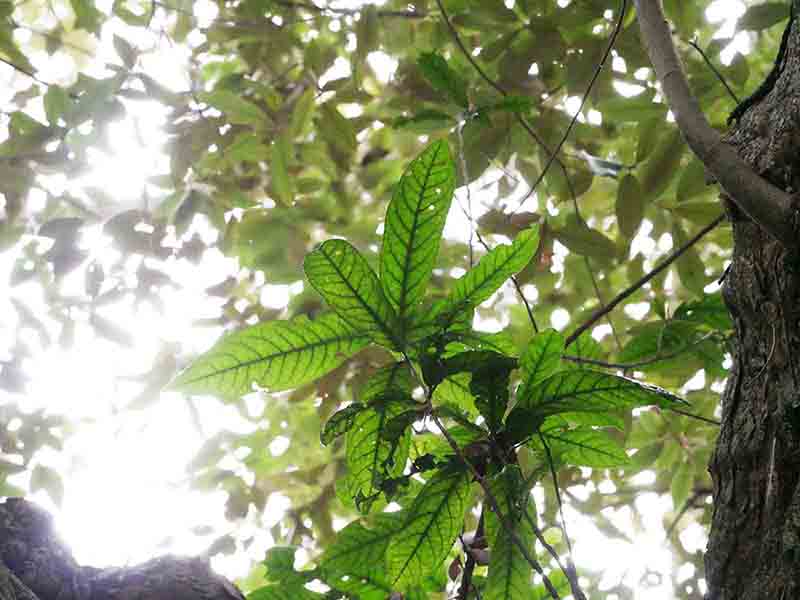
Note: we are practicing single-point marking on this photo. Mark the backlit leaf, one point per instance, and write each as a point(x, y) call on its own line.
point(510, 573)
point(413, 228)
point(350, 287)
point(276, 355)
point(490, 273)
point(373, 452)
point(540, 359)
point(582, 390)
point(434, 520)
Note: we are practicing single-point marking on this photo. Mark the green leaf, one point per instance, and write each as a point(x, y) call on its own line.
point(692, 182)
point(443, 79)
point(237, 109)
point(276, 355)
point(367, 31)
point(583, 447)
point(580, 239)
point(510, 573)
point(374, 452)
point(691, 268)
point(302, 113)
point(281, 157)
point(480, 282)
point(391, 379)
point(125, 51)
point(340, 423)
point(638, 108)
point(350, 287)
point(247, 147)
point(284, 592)
point(424, 121)
point(681, 484)
point(582, 390)
point(630, 206)
point(86, 15)
point(662, 165)
point(355, 561)
point(413, 229)
point(279, 562)
point(710, 311)
point(540, 359)
point(56, 103)
point(700, 213)
point(433, 522)
point(335, 129)
point(489, 386)
point(762, 16)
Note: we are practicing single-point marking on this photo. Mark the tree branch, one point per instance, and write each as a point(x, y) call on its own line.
point(767, 205)
point(604, 310)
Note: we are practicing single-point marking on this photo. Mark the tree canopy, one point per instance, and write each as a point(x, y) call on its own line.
point(454, 254)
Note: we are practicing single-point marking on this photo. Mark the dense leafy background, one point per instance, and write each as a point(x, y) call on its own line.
point(291, 124)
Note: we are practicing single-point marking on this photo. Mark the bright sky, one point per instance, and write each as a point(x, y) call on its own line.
point(126, 496)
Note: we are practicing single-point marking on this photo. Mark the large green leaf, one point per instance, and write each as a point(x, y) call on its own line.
point(444, 79)
point(583, 447)
point(350, 287)
point(413, 229)
point(582, 390)
point(355, 561)
point(489, 274)
point(276, 355)
point(395, 378)
point(375, 452)
point(510, 573)
point(540, 359)
point(434, 520)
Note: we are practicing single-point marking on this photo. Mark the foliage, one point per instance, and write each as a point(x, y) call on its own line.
point(296, 127)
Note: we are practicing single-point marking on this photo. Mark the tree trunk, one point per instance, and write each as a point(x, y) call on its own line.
point(36, 565)
point(754, 546)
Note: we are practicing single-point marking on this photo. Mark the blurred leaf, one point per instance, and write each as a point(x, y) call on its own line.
point(580, 239)
point(681, 485)
point(657, 173)
point(762, 16)
point(48, 480)
point(630, 206)
point(444, 79)
point(281, 157)
point(237, 109)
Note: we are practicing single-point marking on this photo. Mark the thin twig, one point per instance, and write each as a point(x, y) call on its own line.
point(600, 313)
point(641, 363)
point(405, 14)
point(598, 69)
point(469, 567)
point(571, 572)
point(686, 506)
point(714, 69)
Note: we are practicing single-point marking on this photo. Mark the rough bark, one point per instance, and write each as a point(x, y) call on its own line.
point(754, 545)
point(36, 565)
